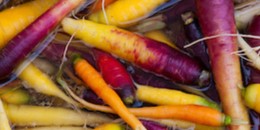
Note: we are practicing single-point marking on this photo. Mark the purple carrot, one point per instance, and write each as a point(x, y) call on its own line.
point(116, 75)
point(193, 33)
point(254, 29)
point(90, 96)
point(21, 45)
point(151, 125)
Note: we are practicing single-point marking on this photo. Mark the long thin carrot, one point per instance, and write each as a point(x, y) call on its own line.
point(95, 81)
point(42, 83)
point(149, 54)
point(15, 19)
point(98, 5)
point(217, 17)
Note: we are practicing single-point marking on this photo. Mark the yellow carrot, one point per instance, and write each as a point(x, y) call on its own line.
point(109, 126)
point(4, 122)
point(121, 12)
point(27, 115)
point(252, 97)
point(42, 83)
point(160, 36)
point(14, 96)
point(15, 19)
point(55, 128)
point(162, 96)
point(97, 6)
point(95, 81)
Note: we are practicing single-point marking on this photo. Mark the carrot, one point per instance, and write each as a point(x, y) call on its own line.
point(42, 83)
point(14, 95)
point(23, 43)
point(116, 75)
point(112, 16)
point(110, 126)
point(143, 52)
point(55, 128)
point(28, 115)
point(15, 19)
point(192, 113)
point(160, 36)
point(98, 5)
point(4, 122)
point(92, 78)
point(225, 66)
point(252, 96)
point(161, 96)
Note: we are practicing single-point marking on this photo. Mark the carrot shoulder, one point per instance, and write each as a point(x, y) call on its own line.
point(217, 17)
point(95, 81)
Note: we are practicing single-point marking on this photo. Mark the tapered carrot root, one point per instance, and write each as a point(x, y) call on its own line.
point(92, 78)
point(217, 17)
point(15, 19)
point(26, 115)
point(146, 53)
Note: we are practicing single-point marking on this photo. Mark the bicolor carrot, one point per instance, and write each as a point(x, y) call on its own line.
point(15, 19)
point(116, 75)
point(23, 43)
point(149, 54)
point(225, 65)
point(95, 81)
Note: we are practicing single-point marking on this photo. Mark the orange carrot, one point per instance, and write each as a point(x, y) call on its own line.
point(98, 4)
point(95, 81)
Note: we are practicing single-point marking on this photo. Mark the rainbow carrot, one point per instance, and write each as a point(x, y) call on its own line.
point(225, 65)
point(24, 42)
point(94, 80)
point(144, 52)
point(121, 18)
point(97, 6)
point(116, 75)
point(15, 19)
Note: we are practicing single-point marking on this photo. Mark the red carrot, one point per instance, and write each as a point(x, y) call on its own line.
point(217, 17)
point(116, 75)
point(21, 45)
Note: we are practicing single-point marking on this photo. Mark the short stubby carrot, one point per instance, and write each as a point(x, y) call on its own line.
point(121, 12)
point(95, 81)
point(149, 54)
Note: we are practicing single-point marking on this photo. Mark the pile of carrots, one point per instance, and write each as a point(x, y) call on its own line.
point(70, 64)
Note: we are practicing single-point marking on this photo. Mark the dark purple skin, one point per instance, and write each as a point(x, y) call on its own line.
point(254, 29)
point(54, 53)
point(193, 33)
point(21, 45)
point(90, 96)
point(151, 125)
point(172, 64)
point(175, 27)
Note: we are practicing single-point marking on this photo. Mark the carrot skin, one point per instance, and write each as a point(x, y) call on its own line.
point(116, 75)
point(158, 57)
point(98, 5)
point(23, 43)
point(253, 29)
point(225, 66)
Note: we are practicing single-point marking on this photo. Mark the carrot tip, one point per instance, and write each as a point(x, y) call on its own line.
point(227, 120)
point(129, 100)
point(75, 58)
point(204, 78)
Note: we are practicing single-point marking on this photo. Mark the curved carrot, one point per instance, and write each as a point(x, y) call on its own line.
point(95, 81)
point(97, 6)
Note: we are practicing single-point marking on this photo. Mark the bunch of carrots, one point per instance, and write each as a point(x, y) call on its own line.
point(70, 64)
